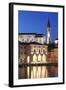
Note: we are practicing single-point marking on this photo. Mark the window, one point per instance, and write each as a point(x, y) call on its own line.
point(22, 39)
point(34, 50)
point(39, 46)
point(28, 59)
point(44, 51)
point(27, 40)
point(44, 58)
point(34, 58)
point(31, 40)
point(39, 57)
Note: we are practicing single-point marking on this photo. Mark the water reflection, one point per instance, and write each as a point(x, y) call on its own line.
point(38, 72)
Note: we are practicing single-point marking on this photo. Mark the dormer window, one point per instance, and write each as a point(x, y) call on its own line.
point(27, 40)
point(22, 39)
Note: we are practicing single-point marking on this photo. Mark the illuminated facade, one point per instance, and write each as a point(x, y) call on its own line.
point(33, 53)
point(37, 57)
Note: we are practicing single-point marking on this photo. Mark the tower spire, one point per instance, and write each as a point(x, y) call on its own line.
point(48, 32)
point(48, 25)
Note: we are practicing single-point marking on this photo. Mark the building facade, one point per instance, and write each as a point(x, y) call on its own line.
point(33, 53)
point(53, 58)
point(37, 57)
point(32, 37)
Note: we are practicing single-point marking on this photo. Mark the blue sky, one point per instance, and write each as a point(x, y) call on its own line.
point(36, 22)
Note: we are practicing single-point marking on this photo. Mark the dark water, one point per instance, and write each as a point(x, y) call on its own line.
point(37, 72)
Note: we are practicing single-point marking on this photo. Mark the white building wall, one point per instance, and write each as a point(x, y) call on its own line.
point(32, 38)
point(41, 40)
point(27, 38)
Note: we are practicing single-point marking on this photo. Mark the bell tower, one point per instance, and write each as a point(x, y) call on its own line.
point(48, 32)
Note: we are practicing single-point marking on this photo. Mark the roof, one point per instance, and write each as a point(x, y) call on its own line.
point(27, 33)
point(37, 35)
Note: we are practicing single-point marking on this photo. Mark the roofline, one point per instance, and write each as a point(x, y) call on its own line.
point(30, 34)
point(26, 33)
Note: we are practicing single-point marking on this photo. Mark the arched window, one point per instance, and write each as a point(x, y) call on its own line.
point(27, 40)
point(43, 50)
point(22, 39)
point(39, 57)
point(39, 50)
point(28, 59)
point(34, 50)
point(44, 58)
point(34, 58)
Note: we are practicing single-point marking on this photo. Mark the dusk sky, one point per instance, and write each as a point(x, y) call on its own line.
point(36, 22)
